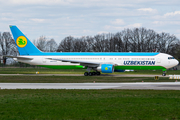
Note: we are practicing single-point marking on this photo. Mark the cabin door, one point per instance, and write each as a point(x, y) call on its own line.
point(44, 60)
point(159, 60)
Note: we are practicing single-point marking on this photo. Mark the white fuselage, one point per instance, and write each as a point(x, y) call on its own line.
point(160, 59)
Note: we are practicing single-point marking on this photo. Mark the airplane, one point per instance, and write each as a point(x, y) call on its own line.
point(105, 62)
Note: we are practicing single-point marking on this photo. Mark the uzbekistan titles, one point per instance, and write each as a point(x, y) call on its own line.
point(139, 62)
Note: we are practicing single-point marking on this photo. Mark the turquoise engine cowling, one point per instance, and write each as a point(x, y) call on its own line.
point(106, 68)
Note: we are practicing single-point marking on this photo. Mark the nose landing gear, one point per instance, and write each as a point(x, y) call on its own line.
point(164, 72)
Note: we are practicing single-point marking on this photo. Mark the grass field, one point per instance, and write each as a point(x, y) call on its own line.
point(89, 104)
point(77, 71)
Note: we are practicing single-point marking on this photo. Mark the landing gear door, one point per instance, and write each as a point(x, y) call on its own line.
point(158, 60)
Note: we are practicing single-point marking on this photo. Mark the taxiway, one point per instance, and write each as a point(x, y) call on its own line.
point(143, 85)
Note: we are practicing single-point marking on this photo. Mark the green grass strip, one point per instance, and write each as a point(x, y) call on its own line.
point(4, 70)
point(89, 105)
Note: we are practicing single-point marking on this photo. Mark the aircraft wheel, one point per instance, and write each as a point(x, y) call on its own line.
point(90, 74)
point(164, 74)
point(86, 74)
point(98, 73)
point(94, 73)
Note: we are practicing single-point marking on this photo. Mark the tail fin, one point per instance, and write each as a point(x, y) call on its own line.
point(24, 45)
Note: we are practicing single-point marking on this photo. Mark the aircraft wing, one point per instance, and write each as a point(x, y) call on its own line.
point(18, 57)
point(83, 63)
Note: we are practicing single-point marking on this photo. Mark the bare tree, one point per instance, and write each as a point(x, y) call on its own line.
point(66, 45)
point(7, 45)
point(97, 45)
point(89, 43)
point(80, 45)
point(51, 45)
point(41, 43)
point(166, 42)
point(119, 45)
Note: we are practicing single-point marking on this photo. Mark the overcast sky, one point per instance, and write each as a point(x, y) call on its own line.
point(60, 18)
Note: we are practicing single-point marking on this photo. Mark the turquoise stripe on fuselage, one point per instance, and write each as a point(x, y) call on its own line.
point(93, 54)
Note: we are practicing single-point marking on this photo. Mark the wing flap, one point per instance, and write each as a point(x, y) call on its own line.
point(75, 61)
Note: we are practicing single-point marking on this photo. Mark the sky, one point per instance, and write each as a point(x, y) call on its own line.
point(61, 18)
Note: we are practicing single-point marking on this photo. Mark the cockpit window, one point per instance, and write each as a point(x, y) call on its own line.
point(171, 58)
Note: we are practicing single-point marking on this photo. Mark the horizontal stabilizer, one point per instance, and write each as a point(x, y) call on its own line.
point(18, 57)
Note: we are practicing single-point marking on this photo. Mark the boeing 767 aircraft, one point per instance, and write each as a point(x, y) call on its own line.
point(105, 62)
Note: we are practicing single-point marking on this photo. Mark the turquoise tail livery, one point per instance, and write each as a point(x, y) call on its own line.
point(24, 45)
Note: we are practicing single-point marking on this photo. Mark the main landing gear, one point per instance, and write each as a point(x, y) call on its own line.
point(88, 73)
point(91, 73)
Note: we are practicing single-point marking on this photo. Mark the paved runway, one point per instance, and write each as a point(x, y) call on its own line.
point(107, 75)
point(143, 85)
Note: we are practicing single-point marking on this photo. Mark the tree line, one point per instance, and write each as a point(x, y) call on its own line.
point(127, 40)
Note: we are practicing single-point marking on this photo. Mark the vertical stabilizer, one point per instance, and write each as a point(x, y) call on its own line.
point(24, 45)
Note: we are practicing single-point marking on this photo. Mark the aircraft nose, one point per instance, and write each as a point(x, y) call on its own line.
point(176, 62)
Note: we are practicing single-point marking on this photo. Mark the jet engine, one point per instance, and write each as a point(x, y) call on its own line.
point(106, 68)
